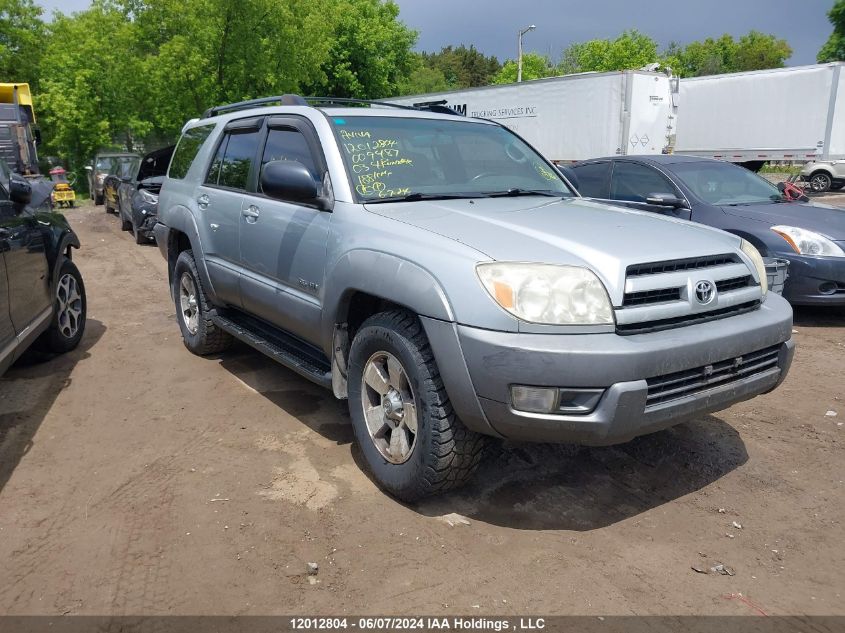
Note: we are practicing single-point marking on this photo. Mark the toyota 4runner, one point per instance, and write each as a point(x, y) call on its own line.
point(440, 274)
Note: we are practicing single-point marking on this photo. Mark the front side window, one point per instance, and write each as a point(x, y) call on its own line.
point(187, 150)
point(395, 157)
point(633, 182)
point(288, 144)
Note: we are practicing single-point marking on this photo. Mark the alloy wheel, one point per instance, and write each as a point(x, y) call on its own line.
point(188, 302)
point(390, 409)
point(70, 305)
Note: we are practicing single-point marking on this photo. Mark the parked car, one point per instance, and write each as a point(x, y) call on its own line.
point(120, 171)
point(41, 290)
point(103, 164)
point(722, 195)
point(438, 272)
point(138, 194)
point(824, 176)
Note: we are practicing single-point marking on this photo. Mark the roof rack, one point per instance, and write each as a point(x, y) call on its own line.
point(292, 99)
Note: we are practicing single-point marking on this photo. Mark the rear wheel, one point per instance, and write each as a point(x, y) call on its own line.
point(69, 312)
point(199, 333)
point(140, 238)
point(409, 435)
point(125, 225)
point(820, 182)
point(98, 199)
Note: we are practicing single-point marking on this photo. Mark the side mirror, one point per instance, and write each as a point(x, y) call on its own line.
point(20, 191)
point(569, 174)
point(290, 181)
point(666, 200)
point(89, 168)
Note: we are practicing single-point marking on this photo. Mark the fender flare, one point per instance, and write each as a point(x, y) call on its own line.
point(398, 280)
point(67, 241)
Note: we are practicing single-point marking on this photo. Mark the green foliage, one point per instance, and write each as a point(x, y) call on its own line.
point(21, 38)
point(630, 50)
point(534, 66)
point(834, 49)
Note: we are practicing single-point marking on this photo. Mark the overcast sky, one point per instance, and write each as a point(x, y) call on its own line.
point(491, 25)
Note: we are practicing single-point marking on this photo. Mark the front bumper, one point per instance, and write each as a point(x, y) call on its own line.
point(479, 381)
point(815, 280)
point(145, 218)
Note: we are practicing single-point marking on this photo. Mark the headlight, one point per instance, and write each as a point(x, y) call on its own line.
point(749, 249)
point(807, 242)
point(150, 198)
point(547, 294)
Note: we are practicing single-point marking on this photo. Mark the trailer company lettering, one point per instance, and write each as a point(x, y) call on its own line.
point(373, 163)
point(505, 113)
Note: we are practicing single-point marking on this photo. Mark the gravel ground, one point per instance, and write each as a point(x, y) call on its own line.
point(136, 478)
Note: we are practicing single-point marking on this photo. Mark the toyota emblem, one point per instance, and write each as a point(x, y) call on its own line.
point(705, 292)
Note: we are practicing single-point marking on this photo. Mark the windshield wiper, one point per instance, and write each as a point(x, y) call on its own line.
point(417, 195)
point(517, 191)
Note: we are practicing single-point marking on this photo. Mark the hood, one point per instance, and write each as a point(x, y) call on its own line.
point(152, 184)
point(821, 218)
point(576, 232)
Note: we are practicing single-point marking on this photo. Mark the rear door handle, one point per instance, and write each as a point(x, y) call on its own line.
point(203, 201)
point(251, 213)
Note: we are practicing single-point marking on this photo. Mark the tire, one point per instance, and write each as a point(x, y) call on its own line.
point(442, 453)
point(125, 225)
point(98, 199)
point(69, 312)
point(200, 335)
point(820, 182)
point(139, 237)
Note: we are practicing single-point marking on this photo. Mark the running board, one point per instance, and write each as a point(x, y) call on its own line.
point(282, 348)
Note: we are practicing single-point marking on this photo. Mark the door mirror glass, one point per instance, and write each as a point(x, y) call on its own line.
point(666, 200)
point(289, 180)
point(20, 191)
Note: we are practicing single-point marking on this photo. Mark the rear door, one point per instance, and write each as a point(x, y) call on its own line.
point(220, 199)
point(283, 244)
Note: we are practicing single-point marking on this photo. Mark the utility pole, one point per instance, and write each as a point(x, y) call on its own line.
point(519, 57)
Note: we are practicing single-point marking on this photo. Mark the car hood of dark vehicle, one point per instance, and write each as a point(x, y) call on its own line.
point(821, 218)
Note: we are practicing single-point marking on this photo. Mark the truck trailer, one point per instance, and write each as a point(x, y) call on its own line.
point(19, 137)
point(574, 117)
point(789, 114)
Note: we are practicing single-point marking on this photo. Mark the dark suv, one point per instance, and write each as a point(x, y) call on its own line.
point(40, 288)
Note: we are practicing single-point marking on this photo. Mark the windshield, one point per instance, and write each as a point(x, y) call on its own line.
point(724, 183)
point(391, 158)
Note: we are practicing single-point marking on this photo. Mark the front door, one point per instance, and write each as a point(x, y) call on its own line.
point(7, 330)
point(219, 201)
point(631, 184)
point(283, 244)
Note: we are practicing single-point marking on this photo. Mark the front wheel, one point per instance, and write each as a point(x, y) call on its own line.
point(409, 435)
point(69, 312)
point(199, 333)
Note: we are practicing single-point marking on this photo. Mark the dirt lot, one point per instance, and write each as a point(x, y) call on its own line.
point(136, 478)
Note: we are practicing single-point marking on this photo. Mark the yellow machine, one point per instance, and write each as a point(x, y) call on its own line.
point(63, 194)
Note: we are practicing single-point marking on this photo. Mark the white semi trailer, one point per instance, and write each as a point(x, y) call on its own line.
point(575, 117)
point(791, 114)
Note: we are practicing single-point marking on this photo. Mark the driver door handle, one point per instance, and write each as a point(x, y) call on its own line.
point(203, 201)
point(251, 213)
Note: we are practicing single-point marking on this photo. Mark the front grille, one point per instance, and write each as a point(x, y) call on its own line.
point(687, 319)
point(651, 296)
point(692, 381)
point(675, 265)
point(726, 285)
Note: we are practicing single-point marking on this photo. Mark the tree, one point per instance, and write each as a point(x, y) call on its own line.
point(463, 67)
point(631, 49)
point(753, 51)
point(534, 66)
point(21, 38)
point(422, 79)
point(834, 48)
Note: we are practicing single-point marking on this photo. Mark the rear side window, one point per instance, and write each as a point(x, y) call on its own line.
point(592, 179)
point(187, 150)
point(634, 182)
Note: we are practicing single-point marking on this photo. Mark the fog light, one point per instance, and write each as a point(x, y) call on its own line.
point(827, 288)
point(534, 399)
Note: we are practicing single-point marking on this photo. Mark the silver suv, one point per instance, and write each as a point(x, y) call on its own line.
point(440, 274)
point(825, 175)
